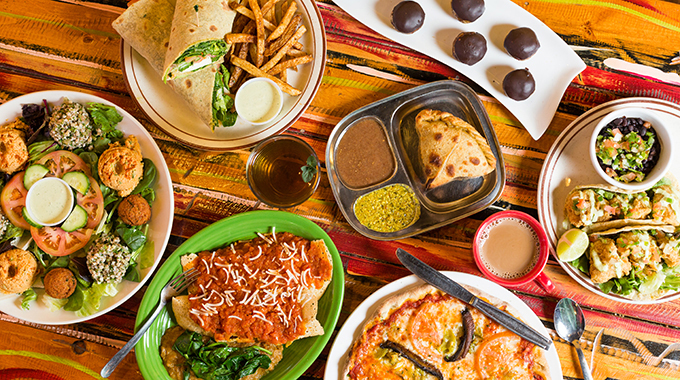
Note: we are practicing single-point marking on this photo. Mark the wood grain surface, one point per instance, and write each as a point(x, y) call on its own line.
point(70, 45)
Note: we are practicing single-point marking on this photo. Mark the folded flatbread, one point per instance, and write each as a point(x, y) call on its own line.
point(451, 148)
point(146, 26)
point(197, 36)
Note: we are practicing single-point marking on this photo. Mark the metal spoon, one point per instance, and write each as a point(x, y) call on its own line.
point(570, 323)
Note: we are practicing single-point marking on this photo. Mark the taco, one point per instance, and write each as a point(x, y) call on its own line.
point(638, 262)
point(603, 207)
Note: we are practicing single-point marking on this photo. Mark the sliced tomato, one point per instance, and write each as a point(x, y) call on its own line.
point(57, 242)
point(63, 161)
point(13, 201)
point(93, 203)
point(496, 353)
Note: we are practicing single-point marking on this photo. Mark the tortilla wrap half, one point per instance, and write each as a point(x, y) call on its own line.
point(197, 23)
point(145, 25)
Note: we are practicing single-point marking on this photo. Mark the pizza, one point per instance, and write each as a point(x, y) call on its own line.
point(426, 334)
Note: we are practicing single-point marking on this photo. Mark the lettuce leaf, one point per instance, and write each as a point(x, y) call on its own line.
point(93, 297)
point(29, 295)
point(222, 102)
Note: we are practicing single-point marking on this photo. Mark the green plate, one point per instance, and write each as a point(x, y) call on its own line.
point(299, 355)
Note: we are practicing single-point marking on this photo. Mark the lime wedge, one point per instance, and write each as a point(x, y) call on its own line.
point(572, 245)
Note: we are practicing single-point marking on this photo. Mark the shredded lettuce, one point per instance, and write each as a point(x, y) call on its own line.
point(652, 283)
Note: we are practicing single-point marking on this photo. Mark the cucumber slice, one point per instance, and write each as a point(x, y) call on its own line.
point(33, 174)
point(78, 181)
point(77, 219)
point(29, 220)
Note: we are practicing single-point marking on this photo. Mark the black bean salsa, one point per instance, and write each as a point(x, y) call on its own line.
point(627, 149)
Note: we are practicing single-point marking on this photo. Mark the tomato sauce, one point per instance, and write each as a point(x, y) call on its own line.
point(256, 289)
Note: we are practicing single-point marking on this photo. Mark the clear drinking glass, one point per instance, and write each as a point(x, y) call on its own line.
point(275, 171)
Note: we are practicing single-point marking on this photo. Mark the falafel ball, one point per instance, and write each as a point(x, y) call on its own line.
point(17, 270)
point(134, 210)
point(60, 283)
point(13, 150)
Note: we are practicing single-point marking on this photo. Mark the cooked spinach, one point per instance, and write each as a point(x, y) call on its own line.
point(217, 360)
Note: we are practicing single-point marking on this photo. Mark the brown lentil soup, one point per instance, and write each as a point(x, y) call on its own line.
point(363, 156)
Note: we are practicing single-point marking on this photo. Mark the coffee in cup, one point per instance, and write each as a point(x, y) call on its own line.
point(511, 248)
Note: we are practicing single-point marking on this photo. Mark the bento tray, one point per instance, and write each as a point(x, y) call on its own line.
point(438, 206)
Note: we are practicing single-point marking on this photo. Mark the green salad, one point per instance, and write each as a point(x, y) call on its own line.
point(104, 240)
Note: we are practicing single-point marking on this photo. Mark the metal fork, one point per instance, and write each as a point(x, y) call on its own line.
point(174, 287)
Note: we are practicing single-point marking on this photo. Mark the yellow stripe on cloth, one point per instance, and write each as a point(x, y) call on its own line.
point(54, 359)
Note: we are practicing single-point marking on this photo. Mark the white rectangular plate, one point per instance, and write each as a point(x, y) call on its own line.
point(553, 66)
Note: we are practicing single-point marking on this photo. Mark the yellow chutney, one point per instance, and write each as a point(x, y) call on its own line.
point(50, 201)
point(389, 209)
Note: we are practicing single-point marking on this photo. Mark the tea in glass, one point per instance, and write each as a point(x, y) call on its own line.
point(283, 171)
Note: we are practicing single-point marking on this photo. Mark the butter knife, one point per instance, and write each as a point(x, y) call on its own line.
point(445, 284)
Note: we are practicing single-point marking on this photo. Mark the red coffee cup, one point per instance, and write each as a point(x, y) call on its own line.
point(511, 248)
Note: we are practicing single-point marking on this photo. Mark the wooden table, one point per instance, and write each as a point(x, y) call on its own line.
point(70, 45)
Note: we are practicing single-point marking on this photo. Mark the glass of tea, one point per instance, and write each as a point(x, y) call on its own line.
point(283, 171)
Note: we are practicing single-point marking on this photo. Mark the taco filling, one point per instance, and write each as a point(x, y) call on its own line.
point(640, 262)
point(589, 205)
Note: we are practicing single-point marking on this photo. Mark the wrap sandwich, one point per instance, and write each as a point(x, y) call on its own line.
point(197, 36)
point(450, 148)
point(637, 262)
point(146, 26)
point(602, 207)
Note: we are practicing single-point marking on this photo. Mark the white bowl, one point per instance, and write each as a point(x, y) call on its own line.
point(245, 99)
point(32, 198)
point(662, 134)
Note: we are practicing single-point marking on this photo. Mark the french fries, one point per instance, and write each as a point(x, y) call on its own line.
point(261, 46)
point(247, 66)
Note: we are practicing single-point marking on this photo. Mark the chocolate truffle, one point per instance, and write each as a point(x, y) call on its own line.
point(469, 47)
point(519, 84)
point(467, 10)
point(521, 43)
point(407, 16)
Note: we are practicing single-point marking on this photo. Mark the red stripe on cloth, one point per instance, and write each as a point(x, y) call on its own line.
point(24, 373)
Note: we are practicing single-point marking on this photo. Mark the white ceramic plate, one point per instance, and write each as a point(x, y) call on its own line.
point(162, 210)
point(169, 112)
point(568, 158)
point(351, 330)
point(553, 66)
